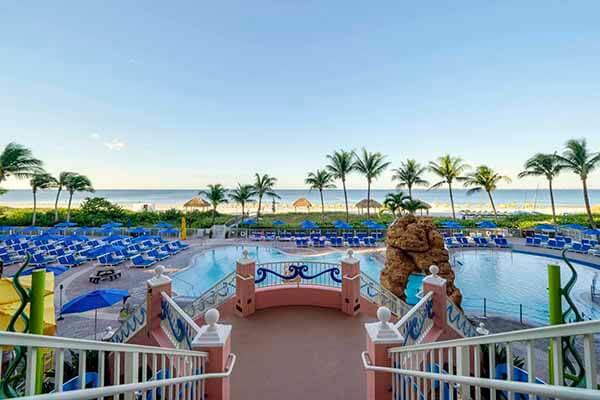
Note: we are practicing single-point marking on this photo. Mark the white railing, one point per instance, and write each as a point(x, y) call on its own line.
point(213, 297)
point(179, 327)
point(102, 370)
point(372, 290)
point(417, 323)
point(299, 273)
point(511, 365)
point(458, 321)
point(131, 325)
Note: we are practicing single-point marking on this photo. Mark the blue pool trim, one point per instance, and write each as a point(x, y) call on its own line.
point(558, 257)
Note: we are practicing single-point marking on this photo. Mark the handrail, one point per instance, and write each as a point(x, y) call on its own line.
point(573, 329)
point(133, 387)
point(179, 327)
point(180, 311)
point(382, 295)
point(413, 310)
point(417, 322)
point(29, 340)
point(551, 391)
point(297, 262)
point(212, 297)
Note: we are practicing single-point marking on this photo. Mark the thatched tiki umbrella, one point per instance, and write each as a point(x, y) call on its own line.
point(427, 207)
point(302, 202)
point(197, 202)
point(364, 203)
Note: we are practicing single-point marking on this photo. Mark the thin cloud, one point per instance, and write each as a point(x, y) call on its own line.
point(95, 136)
point(116, 145)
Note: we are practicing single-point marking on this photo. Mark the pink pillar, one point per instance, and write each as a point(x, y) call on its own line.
point(215, 339)
point(381, 336)
point(350, 285)
point(437, 285)
point(245, 297)
point(159, 283)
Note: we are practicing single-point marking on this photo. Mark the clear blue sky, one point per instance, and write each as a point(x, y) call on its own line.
point(181, 94)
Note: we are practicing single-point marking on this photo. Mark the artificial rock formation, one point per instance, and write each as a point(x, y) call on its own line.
point(413, 245)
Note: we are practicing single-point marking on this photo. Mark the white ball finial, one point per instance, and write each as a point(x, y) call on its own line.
point(159, 270)
point(350, 253)
point(481, 329)
point(245, 254)
point(384, 314)
point(211, 317)
point(434, 269)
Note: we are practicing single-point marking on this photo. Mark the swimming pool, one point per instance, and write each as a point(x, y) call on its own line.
point(507, 280)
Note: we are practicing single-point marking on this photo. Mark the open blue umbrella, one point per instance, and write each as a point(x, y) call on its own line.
point(377, 227)
point(6, 228)
point(65, 224)
point(342, 225)
point(544, 227)
point(93, 301)
point(368, 222)
point(592, 232)
point(30, 229)
point(249, 221)
point(163, 224)
point(111, 225)
point(487, 225)
point(114, 238)
point(77, 238)
point(451, 225)
point(139, 230)
point(576, 227)
point(55, 269)
point(107, 231)
point(52, 231)
point(46, 237)
point(279, 222)
point(307, 224)
point(169, 231)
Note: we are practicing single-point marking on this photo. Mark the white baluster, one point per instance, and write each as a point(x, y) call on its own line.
point(589, 353)
point(59, 369)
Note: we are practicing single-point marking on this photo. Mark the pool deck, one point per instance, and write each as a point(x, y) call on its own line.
point(75, 281)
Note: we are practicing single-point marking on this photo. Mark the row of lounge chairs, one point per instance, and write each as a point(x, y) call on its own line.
point(332, 238)
point(338, 241)
point(460, 240)
point(585, 246)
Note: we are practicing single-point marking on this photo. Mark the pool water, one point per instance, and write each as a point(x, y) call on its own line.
point(509, 281)
point(211, 265)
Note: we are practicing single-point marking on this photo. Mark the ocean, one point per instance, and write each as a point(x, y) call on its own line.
point(513, 198)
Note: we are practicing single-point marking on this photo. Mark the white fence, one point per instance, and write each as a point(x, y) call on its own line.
point(507, 365)
point(103, 369)
point(417, 323)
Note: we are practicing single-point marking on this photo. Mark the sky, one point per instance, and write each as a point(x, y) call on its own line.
point(169, 95)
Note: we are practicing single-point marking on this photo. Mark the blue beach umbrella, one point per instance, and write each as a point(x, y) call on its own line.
point(65, 224)
point(30, 229)
point(576, 227)
point(114, 238)
point(52, 231)
point(487, 225)
point(307, 224)
point(591, 232)
point(139, 230)
point(163, 224)
point(249, 221)
point(451, 225)
point(77, 238)
point(93, 301)
point(6, 228)
point(368, 222)
point(544, 227)
point(106, 231)
point(47, 237)
point(377, 227)
point(169, 231)
point(111, 225)
point(342, 225)
point(279, 222)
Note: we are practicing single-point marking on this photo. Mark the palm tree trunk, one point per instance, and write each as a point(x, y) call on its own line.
point(552, 200)
point(69, 207)
point(410, 191)
point(586, 198)
point(259, 206)
point(451, 200)
point(214, 215)
point(368, 199)
point(322, 207)
point(346, 200)
point(56, 205)
point(243, 211)
point(34, 209)
point(493, 205)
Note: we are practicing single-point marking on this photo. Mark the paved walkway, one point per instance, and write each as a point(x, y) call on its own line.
point(298, 353)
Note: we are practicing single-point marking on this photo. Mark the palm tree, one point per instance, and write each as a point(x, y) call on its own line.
point(581, 161)
point(394, 201)
point(263, 185)
point(39, 181)
point(341, 163)
point(412, 205)
point(485, 178)
point(60, 183)
point(547, 165)
point(409, 174)
point(449, 169)
point(371, 165)
point(216, 194)
point(320, 180)
point(76, 183)
point(17, 160)
point(242, 195)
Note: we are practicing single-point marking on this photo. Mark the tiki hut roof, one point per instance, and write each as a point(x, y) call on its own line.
point(197, 202)
point(372, 204)
point(302, 202)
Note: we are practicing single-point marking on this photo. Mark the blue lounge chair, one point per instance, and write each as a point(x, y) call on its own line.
point(180, 244)
point(69, 260)
point(529, 241)
point(39, 259)
point(110, 260)
point(157, 255)
point(141, 262)
point(501, 242)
